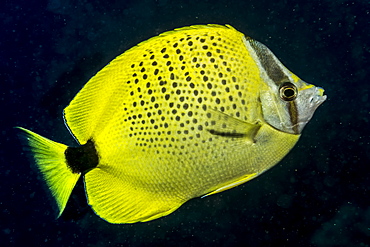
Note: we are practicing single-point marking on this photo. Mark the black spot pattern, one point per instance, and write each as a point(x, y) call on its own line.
point(175, 84)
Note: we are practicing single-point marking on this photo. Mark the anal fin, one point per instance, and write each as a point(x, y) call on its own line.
point(240, 181)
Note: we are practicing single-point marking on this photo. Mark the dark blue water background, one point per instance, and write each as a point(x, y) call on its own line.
point(317, 196)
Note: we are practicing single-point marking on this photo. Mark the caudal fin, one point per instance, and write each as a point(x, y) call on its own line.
point(51, 162)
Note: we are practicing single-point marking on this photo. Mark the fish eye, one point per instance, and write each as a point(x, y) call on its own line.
point(288, 91)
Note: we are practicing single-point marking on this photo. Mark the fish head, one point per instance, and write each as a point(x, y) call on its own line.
point(290, 105)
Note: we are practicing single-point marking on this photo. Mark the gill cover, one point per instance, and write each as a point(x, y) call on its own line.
point(288, 103)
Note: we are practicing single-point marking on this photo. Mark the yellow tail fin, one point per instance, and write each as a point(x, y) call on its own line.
point(51, 162)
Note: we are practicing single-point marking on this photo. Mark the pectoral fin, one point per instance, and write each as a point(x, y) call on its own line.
point(231, 127)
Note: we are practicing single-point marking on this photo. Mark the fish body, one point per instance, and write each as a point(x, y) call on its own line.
point(189, 113)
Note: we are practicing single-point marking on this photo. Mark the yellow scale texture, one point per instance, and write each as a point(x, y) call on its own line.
point(151, 112)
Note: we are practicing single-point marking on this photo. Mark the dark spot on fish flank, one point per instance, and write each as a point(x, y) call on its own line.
point(190, 43)
point(191, 84)
point(202, 72)
point(231, 98)
point(132, 93)
point(228, 69)
point(213, 93)
point(175, 45)
point(152, 99)
point(178, 51)
point(172, 76)
point(181, 57)
point(204, 107)
point(174, 111)
point(156, 105)
point(152, 57)
point(202, 40)
point(212, 60)
point(194, 59)
point(142, 69)
point(171, 104)
point(236, 86)
point(163, 50)
point(145, 76)
point(168, 63)
point(141, 64)
point(223, 82)
point(83, 158)
point(152, 121)
point(209, 54)
point(200, 100)
point(170, 68)
point(218, 101)
point(174, 84)
point(163, 90)
point(167, 96)
point(133, 65)
point(142, 102)
point(178, 118)
point(161, 83)
point(196, 92)
point(134, 75)
point(205, 78)
point(190, 113)
point(136, 81)
point(209, 85)
point(134, 104)
point(218, 51)
point(182, 99)
point(166, 56)
point(197, 65)
point(178, 91)
point(148, 84)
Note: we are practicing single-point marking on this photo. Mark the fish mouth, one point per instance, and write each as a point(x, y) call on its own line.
point(313, 97)
point(318, 97)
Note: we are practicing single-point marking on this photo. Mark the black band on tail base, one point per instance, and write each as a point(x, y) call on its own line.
point(83, 158)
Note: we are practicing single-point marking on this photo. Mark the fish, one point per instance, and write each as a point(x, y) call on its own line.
point(189, 113)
